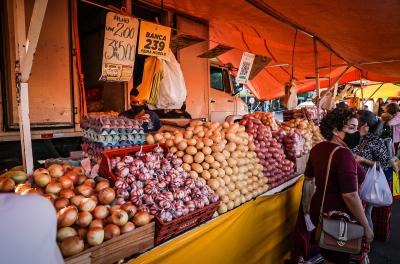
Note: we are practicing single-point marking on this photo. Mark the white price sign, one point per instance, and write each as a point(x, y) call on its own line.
point(245, 67)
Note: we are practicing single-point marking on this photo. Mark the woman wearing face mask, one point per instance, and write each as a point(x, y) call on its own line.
point(372, 149)
point(345, 175)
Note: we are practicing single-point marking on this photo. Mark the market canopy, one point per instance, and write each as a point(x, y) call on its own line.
point(386, 90)
point(360, 33)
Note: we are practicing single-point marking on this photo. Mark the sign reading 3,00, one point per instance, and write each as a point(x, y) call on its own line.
point(120, 40)
point(154, 39)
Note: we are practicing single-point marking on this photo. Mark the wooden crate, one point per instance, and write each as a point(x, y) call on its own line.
point(111, 251)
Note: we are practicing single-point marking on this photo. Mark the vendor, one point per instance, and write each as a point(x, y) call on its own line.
point(139, 111)
point(178, 113)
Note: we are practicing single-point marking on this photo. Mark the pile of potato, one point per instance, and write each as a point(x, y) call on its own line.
point(267, 118)
point(223, 155)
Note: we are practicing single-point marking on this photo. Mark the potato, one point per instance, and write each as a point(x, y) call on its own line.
point(188, 159)
point(199, 157)
point(206, 150)
point(197, 167)
point(191, 150)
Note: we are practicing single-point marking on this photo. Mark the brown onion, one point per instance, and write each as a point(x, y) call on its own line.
point(77, 199)
point(66, 167)
point(84, 219)
point(56, 170)
point(90, 182)
point(82, 232)
point(81, 179)
point(85, 190)
point(67, 216)
point(41, 171)
point(120, 217)
point(60, 203)
point(71, 246)
point(6, 185)
point(102, 185)
point(53, 187)
point(95, 236)
point(87, 205)
point(109, 220)
point(95, 198)
point(42, 179)
point(114, 208)
point(141, 218)
point(100, 212)
point(68, 193)
point(111, 231)
point(32, 191)
point(66, 182)
point(106, 196)
point(72, 175)
point(66, 232)
point(128, 227)
point(50, 196)
point(79, 170)
point(22, 187)
point(96, 223)
point(129, 208)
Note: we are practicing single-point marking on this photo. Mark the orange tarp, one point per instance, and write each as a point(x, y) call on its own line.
point(358, 31)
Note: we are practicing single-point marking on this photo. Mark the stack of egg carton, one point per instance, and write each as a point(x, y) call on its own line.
point(109, 132)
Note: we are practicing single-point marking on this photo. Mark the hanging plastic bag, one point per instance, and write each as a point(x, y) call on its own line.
point(292, 101)
point(152, 76)
point(172, 91)
point(375, 189)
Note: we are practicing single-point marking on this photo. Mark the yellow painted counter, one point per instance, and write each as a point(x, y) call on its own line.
point(256, 232)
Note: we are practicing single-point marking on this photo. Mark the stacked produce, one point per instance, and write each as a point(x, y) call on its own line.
point(267, 118)
point(276, 168)
point(85, 214)
point(317, 136)
point(157, 183)
point(107, 132)
point(10, 179)
point(223, 155)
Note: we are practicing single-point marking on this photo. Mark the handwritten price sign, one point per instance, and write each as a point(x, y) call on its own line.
point(120, 40)
point(154, 39)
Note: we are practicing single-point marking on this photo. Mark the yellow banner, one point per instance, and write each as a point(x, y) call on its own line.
point(154, 39)
point(257, 232)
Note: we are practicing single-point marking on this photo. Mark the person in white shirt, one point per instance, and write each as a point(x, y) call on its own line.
point(28, 230)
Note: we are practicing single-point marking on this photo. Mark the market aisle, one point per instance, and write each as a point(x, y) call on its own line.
point(388, 252)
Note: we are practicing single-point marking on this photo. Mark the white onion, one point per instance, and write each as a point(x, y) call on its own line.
point(95, 236)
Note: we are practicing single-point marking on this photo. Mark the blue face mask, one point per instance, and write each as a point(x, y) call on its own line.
point(352, 140)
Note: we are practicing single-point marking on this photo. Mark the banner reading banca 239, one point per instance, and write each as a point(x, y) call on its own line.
point(120, 41)
point(154, 39)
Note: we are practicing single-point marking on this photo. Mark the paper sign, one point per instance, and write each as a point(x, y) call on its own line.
point(181, 41)
point(245, 67)
point(215, 52)
point(154, 39)
point(259, 63)
point(120, 40)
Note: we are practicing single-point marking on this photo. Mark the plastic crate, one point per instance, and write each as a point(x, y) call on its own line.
point(168, 230)
point(105, 165)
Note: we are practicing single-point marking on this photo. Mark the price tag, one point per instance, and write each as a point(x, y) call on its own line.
point(245, 67)
point(120, 40)
point(154, 39)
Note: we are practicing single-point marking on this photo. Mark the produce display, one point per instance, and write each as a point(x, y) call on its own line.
point(276, 168)
point(221, 154)
point(86, 210)
point(102, 132)
point(157, 183)
point(11, 178)
point(267, 118)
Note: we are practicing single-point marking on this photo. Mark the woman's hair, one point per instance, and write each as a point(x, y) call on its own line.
point(392, 108)
point(335, 119)
point(372, 120)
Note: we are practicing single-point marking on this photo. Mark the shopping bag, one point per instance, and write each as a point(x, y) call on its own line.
point(292, 101)
point(396, 185)
point(375, 189)
point(172, 91)
point(152, 76)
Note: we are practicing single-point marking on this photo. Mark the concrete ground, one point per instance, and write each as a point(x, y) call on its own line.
point(388, 252)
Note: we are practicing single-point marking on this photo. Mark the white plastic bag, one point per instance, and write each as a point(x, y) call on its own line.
point(172, 91)
point(375, 189)
point(292, 101)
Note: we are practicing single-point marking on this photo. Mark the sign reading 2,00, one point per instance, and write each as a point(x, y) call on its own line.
point(120, 47)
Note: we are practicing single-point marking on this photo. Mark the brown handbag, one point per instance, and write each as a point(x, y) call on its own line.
point(338, 234)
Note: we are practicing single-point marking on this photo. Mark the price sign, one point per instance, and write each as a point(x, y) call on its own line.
point(120, 40)
point(154, 39)
point(245, 67)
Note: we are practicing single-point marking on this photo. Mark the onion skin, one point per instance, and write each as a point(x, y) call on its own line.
point(82, 232)
point(76, 200)
point(56, 170)
point(102, 185)
point(95, 236)
point(67, 216)
point(106, 196)
point(67, 193)
point(90, 182)
point(71, 246)
point(87, 205)
point(101, 212)
point(66, 232)
point(42, 179)
point(111, 231)
point(120, 217)
point(22, 187)
point(84, 219)
point(85, 190)
point(141, 218)
point(128, 227)
point(60, 203)
point(130, 209)
point(6, 185)
point(96, 223)
point(72, 175)
point(66, 182)
point(55, 187)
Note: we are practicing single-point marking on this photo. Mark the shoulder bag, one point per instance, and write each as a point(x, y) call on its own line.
point(338, 234)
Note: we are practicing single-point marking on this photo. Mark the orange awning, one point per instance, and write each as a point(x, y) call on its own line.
point(357, 31)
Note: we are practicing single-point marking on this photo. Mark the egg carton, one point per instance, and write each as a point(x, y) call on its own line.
point(116, 138)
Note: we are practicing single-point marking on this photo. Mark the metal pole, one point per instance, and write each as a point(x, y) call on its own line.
point(362, 91)
point(316, 75)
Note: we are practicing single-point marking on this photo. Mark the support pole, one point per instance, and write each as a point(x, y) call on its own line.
point(362, 92)
point(316, 75)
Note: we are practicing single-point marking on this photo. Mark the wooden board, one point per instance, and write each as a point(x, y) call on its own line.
point(124, 246)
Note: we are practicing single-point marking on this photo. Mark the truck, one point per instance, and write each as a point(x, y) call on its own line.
point(54, 94)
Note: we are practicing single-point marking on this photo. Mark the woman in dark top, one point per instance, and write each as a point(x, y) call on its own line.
point(345, 175)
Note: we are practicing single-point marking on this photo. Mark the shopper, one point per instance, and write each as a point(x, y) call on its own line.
point(28, 228)
point(178, 113)
point(346, 174)
point(139, 111)
point(393, 109)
